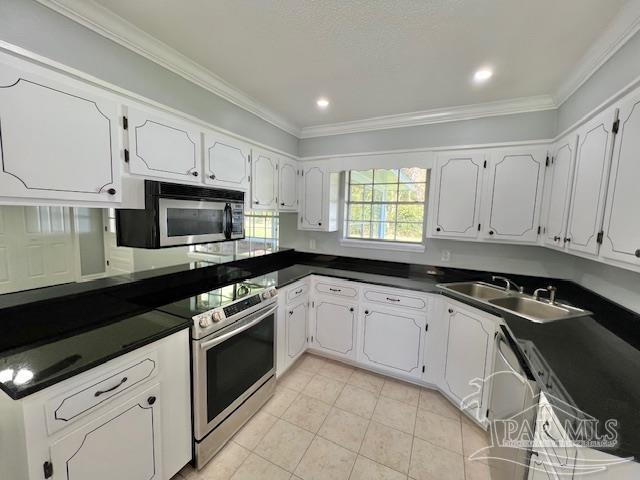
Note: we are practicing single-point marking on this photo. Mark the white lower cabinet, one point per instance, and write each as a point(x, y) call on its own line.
point(293, 325)
point(392, 340)
point(334, 326)
point(123, 443)
point(468, 356)
point(296, 324)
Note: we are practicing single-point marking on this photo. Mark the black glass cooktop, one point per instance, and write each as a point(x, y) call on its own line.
point(220, 297)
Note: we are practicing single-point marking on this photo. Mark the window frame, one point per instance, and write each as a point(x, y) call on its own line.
point(380, 243)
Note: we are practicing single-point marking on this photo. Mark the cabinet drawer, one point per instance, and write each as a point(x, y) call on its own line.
point(393, 298)
point(338, 290)
point(64, 409)
point(297, 291)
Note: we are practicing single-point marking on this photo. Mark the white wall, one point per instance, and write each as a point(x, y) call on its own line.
point(34, 27)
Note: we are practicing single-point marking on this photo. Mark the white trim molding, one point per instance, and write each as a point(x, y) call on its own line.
point(620, 30)
point(437, 115)
point(115, 28)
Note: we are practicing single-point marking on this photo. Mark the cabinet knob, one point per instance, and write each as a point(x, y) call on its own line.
point(195, 174)
point(491, 232)
point(638, 253)
point(438, 229)
point(319, 223)
point(111, 191)
point(151, 400)
point(351, 309)
point(366, 312)
point(450, 310)
point(282, 204)
point(257, 202)
point(212, 176)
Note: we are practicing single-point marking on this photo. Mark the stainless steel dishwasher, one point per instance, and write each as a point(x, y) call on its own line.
point(512, 408)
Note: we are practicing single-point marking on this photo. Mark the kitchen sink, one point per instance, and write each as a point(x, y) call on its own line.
point(526, 306)
point(478, 290)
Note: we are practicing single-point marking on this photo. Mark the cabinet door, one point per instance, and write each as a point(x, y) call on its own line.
point(264, 180)
point(226, 162)
point(288, 185)
point(59, 138)
point(296, 329)
point(558, 192)
point(468, 355)
point(163, 146)
point(124, 443)
point(590, 183)
point(313, 198)
point(622, 228)
point(457, 187)
point(335, 327)
point(392, 340)
point(514, 194)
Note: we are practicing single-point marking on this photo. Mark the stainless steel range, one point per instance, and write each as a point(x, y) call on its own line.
point(233, 355)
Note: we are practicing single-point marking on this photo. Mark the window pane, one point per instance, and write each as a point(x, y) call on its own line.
point(356, 193)
point(410, 213)
point(383, 231)
point(368, 193)
point(413, 174)
point(386, 176)
point(360, 211)
point(361, 176)
point(359, 229)
point(385, 193)
point(411, 192)
point(384, 212)
point(409, 232)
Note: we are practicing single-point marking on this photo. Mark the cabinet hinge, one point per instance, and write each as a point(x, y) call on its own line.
point(47, 467)
point(249, 178)
point(479, 226)
point(423, 368)
point(539, 230)
point(125, 122)
point(616, 126)
point(311, 338)
point(426, 327)
point(300, 219)
point(249, 158)
point(302, 173)
point(553, 160)
point(487, 415)
point(546, 162)
point(600, 237)
point(126, 155)
point(485, 164)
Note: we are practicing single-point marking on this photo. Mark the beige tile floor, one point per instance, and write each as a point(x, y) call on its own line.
point(329, 421)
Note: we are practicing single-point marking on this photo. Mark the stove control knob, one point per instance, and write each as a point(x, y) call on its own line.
point(216, 317)
point(204, 322)
point(266, 295)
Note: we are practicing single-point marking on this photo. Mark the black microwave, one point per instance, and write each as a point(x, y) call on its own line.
point(176, 214)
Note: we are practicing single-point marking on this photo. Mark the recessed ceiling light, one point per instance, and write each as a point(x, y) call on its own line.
point(322, 103)
point(482, 75)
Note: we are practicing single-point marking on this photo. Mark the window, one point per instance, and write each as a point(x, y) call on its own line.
point(386, 205)
point(261, 237)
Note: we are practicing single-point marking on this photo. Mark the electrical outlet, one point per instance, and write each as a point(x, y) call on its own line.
point(445, 255)
point(312, 244)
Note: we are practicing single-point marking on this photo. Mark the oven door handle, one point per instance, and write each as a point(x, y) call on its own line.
point(226, 336)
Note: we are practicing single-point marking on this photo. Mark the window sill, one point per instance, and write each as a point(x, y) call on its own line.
point(397, 246)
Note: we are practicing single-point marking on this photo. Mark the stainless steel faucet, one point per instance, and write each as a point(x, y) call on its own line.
point(509, 283)
point(552, 293)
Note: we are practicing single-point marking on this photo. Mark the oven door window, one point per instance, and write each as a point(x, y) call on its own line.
point(194, 221)
point(237, 363)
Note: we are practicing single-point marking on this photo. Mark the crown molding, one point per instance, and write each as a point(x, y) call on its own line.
point(437, 115)
point(618, 32)
point(119, 30)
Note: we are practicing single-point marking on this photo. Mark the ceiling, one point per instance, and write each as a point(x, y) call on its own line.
point(376, 57)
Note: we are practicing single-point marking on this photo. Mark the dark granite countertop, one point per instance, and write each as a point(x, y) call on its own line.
point(596, 358)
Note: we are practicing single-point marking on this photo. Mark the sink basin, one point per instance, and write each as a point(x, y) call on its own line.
point(513, 302)
point(535, 310)
point(478, 290)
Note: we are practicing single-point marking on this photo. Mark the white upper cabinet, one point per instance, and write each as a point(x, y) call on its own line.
point(227, 162)
point(319, 200)
point(511, 211)
point(288, 185)
point(455, 195)
point(558, 191)
point(264, 183)
point(595, 141)
point(621, 227)
point(163, 146)
point(59, 137)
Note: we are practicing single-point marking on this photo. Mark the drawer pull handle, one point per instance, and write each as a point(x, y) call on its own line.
point(100, 392)
point(299, 291)
point(393, 299)
point(335, 290)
